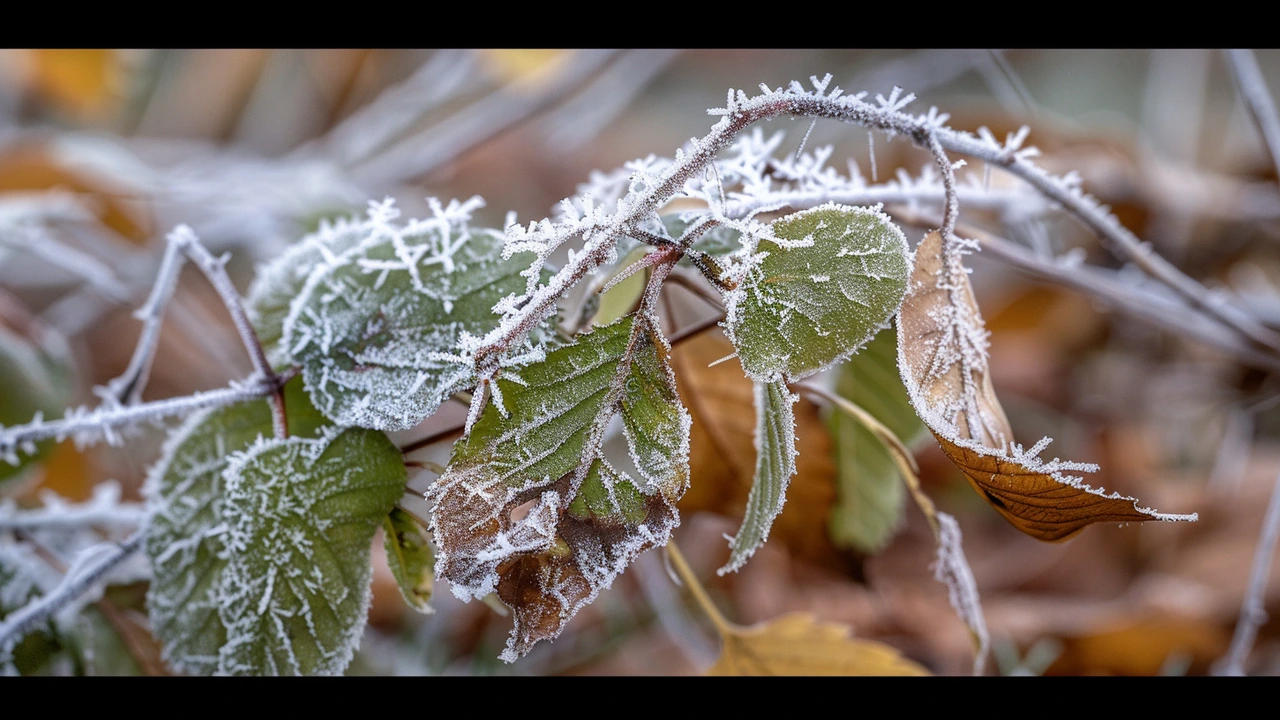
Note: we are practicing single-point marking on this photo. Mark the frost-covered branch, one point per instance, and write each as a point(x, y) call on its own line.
point(88, 426)
point(183, 242)
point(104, 509)
point(1253, 88)
point(80, 579)
point(1145, 302)
point(1253, 613)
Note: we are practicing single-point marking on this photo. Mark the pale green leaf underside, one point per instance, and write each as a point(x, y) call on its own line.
point(775, 464)
point(410, 558)
point(868, 508)
point(366, 327)
point(185, 539)
point(591, 518)
point(802, 309)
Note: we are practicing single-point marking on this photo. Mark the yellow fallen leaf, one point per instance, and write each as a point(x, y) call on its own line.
point(798, 644)
point(528, 67)
point(80, 81)
point(942, 355)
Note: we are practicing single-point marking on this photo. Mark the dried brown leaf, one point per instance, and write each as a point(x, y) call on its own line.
point(942, 354)
point(798, 644)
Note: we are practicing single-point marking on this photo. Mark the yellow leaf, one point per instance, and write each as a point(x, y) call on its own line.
point(528, 67)
point(942, 354)
point(797, 644)
point(80, 81)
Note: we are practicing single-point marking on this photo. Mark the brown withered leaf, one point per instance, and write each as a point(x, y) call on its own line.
point(942, 355)
point(798, 644)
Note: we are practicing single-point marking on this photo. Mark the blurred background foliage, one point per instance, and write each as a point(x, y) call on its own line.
point(252, 147)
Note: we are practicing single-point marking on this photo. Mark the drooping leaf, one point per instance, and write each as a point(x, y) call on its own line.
point(280, 281)
point(775, 464)
point(35, 377)
point(410, 557)
point(869, 509)
point(815, 300)
point(186, 537)
point(721, 401)
point(23, 578)
point(301, 515)
point(798, 644)
point(588, 519)
point(942, 355)
point(369, 327)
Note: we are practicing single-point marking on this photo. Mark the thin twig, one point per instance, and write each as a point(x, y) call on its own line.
point(722, 625)
point(1161, 309)
point(89, 424)
point(1253, 611)
point(28, 617)
point(1253, 88)
point(478, 123)
point(951, 567)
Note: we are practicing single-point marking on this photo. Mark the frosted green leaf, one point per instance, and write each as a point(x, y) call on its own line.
point(35, 377)
point(23, 578)
point(187, 530)
point(588, 519)
point(775, 464)
point(719, 240)
point(838, 277)
point(410, 557)
point(281, 280)
point(868, 509)
point(300, 516)
point(370, 326)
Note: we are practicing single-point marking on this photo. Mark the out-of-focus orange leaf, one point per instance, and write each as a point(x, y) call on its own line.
point(33, 167)
point(797, 644)
point(722, 461)
point(82, 82)
point(1144, 646)
point(942, 354)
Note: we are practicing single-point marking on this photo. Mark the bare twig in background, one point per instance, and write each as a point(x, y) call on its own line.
point(1160, 309)
point(481, 121)
point(1244, 66)
point(441, 79)
point(582, 118)
point(1253, 613)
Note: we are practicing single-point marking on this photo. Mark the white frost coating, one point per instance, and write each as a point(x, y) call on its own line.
point(775, 443)
point(295, 591)
point(964, 410)
point(104, 509)
point(783, 323)
point(383, 330)
point(589, 520)
point(952, 569)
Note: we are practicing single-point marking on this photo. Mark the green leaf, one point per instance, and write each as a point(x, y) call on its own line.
point(410, 557)
point(718, 241)
point(813, 302)
point(775, 464)
point(23, 578)
point(186, 536)
point(35, 377)
point(370, 326)
point(301, 515)
point(868, 509)
point(280, 281)
point(588, 519)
